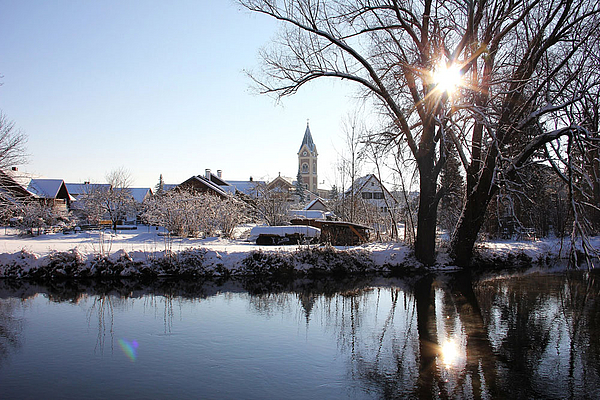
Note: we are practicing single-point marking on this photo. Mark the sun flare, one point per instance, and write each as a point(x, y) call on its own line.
point(449, 352)
point(447, 78)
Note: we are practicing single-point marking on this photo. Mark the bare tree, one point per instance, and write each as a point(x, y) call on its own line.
point(391, 50)
point(272, 205)
point(12, 143)
point(12, 153)
point(188, 213)
point(113, 202)
point(518, 96)
point(406, 55)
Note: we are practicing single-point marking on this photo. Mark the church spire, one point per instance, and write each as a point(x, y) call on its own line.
point(308, 140)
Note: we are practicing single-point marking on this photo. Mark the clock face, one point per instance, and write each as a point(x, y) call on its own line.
point(304, 153)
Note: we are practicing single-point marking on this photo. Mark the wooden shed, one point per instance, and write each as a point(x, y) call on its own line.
point(338, 233)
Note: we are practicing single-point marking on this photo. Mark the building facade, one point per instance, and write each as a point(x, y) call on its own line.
point(307, 162)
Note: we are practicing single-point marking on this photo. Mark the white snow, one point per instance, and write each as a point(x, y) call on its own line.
point(148, 242)
point(308, 231)
point(311, 214)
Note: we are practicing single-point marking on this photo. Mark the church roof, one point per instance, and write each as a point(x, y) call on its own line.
point(308, 141)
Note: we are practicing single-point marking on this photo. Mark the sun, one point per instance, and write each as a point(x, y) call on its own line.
point(447, 78)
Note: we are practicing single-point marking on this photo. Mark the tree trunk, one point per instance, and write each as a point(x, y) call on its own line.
point(471, 219)
point(427, 214)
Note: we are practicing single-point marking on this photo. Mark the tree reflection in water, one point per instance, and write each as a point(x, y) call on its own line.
point(10, 326)
point(435, 336)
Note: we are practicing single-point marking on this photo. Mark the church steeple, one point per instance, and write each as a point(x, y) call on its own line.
point(308, 141)
point(307, 161)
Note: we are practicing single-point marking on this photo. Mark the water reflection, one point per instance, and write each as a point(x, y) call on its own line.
point(434, 336)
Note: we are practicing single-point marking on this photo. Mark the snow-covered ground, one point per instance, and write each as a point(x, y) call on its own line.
point(146, 242)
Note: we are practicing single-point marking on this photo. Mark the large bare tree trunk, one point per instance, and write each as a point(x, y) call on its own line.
point(427, 213)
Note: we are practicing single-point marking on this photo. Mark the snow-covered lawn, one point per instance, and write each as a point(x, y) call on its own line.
point(146, 243)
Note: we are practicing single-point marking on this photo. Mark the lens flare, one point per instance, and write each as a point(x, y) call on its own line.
point(447, 78)
point(129, 348)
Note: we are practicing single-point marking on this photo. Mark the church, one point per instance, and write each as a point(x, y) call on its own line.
point(307, 162)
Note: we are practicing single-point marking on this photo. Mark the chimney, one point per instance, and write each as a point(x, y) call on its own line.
point(15, 168)
point(250, 179)
point(207, 173)
point(220, 173)
point(86, 182)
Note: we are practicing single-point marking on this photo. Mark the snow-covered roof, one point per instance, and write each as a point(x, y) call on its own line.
point(140, 194)
point(37, 186)
point(77, 189)
point(206, 183)
point(361, 182)
point(310, 214)
point(308, 231)
point(45, 188)
point(315, 201)
point(246, 187)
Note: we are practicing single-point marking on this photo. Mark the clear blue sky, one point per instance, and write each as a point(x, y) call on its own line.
point(156, 87)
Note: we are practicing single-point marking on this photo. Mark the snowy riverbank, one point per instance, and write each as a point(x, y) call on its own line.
point(145, 252)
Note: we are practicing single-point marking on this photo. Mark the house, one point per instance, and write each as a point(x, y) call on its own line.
point(370, 189)
point(282, 185)
point(17, 185)
point(316, 204)
point(209, 183)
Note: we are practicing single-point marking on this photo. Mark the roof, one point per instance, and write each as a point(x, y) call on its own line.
point(246, 187)
point(139, 194)
point(45, 188)
point(281, 181)
point(77, 189)
point(36, 186)
point(315, 201)
point(308, 141)
point(199, 179)
point(360, 183)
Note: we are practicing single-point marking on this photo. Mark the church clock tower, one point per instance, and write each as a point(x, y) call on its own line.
point(307, 161)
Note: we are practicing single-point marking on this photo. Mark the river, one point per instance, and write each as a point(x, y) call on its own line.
point(453, 335)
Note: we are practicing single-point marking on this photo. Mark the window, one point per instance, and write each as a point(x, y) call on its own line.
point(367, 195)
point(372, 183)
point(378, 195)
point(314, 167)
point(305, 168)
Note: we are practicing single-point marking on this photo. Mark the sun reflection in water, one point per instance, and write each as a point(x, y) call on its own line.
point(449, 350)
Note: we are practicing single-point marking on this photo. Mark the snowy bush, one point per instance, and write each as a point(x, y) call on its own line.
point(59, 264)
point(17, 265)
point(185, 213)
point(330, 260)
point(267, 263)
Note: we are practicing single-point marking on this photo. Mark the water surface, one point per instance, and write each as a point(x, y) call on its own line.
point(448, 336)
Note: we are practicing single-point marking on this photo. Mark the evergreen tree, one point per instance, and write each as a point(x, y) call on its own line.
point(452, 184)
point(333, 193)
point(300, 187)
point(159, 189)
